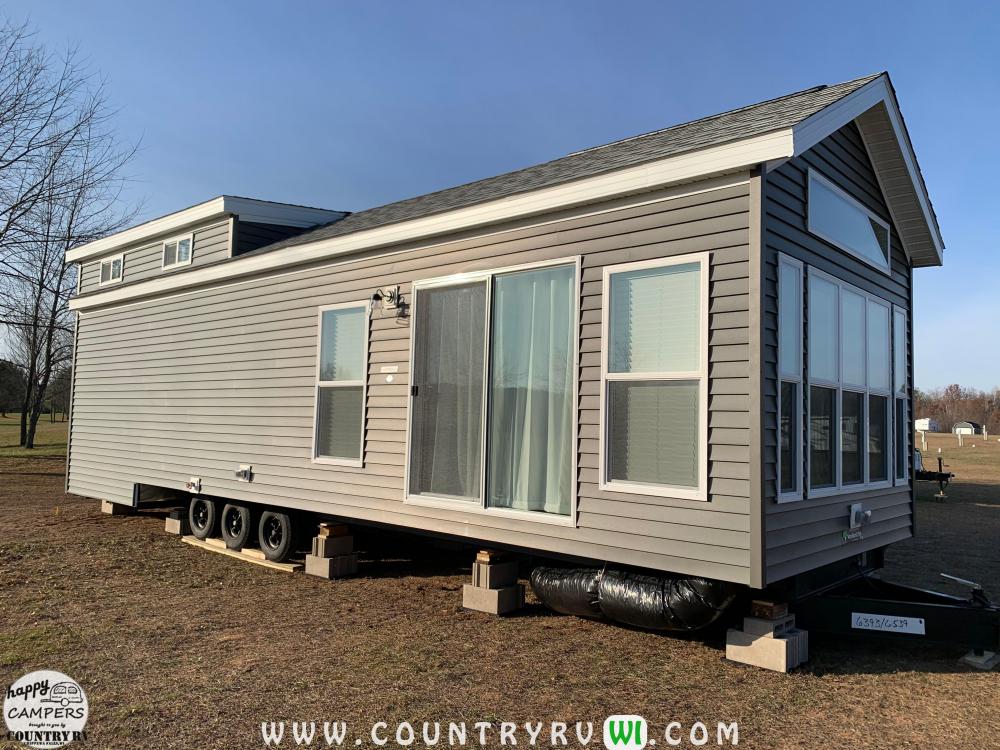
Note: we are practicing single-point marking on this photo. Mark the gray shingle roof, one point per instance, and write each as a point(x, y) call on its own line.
point(737, 124)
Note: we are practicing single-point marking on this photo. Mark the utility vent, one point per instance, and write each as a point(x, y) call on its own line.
point(244, 473)
point(193, 485)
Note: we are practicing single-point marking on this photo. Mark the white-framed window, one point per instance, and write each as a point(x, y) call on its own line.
point(493, 384)
point(177, 251)
point(901, 400)
point(849, 388)
point(112, 269)
point(341, 376)
point(654, 378)
point(843, 221)
point(790, 366)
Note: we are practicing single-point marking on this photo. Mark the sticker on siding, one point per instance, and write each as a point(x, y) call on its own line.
point(389, 368)
point(888, 623)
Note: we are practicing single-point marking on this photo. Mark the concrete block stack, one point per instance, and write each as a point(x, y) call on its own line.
point(494, 588)
point(770, 641)
point(333, 554)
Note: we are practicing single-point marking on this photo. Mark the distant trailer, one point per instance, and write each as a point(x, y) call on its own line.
point(926, 424)
point(967, 428)
point(688, 352)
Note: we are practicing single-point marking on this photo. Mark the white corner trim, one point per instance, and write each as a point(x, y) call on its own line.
point(830, 119)
point(682, 167)
point(248, 209)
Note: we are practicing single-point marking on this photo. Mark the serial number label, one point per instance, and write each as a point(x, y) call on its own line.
point(888, 623)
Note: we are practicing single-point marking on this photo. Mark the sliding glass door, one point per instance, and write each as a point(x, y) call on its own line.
point(449, 368)
point(500, 349)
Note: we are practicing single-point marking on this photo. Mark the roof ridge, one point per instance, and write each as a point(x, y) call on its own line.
point(754, 105)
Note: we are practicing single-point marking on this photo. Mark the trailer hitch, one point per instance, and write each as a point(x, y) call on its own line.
point(978, 596)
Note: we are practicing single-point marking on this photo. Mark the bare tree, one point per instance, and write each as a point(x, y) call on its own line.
point(64, 180)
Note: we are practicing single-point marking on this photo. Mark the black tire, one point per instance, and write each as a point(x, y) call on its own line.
point(203, 517)
point(276, 535)
point(236, 526)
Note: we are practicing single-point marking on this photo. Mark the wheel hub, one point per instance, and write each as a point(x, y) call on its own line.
point(200, 515)
point(273, 533)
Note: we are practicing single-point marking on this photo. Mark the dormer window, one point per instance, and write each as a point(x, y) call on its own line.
point(177, 251)
point(111, 270)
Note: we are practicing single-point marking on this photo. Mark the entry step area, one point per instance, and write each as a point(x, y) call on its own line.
point(254, 556)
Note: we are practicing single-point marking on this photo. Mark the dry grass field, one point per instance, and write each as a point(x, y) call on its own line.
point(180, 648)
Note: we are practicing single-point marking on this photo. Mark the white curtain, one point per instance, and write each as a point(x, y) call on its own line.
point(531, 382)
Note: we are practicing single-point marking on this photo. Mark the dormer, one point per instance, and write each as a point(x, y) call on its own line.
point(209, 232)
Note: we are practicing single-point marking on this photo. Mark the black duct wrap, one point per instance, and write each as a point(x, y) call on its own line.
point(654, 602)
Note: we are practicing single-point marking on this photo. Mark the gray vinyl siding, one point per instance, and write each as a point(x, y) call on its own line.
point(196, 383)
point(802, 535)
point(145, 260)
point(250, 235)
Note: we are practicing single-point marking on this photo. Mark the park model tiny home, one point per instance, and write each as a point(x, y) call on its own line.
point(688, 351)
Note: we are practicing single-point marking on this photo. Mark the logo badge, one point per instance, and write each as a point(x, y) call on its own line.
point(45, 709)
point(625, 732)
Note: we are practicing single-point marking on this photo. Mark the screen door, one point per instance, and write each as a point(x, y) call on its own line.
point(449, 362)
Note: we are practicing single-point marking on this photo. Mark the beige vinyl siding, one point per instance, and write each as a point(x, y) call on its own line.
point(161, 396)
point(803, 535)
point(145, 261)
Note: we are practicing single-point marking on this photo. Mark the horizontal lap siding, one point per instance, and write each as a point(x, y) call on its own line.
point(806, 534)
point(145, 261)
point(195, 384)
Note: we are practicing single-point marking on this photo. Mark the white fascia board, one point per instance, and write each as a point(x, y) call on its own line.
point(829, 120)
point(680, 168)
point(247, 209)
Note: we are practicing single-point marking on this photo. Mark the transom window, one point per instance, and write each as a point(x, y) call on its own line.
point(177, 251)
point(841, 220)
point(654, 378)
point(340, 383)
point(112, 270)
point(492, 394)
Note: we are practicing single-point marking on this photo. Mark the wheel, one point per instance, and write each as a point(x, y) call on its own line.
point(236, 526)
point(275, 534)
point(203, 517)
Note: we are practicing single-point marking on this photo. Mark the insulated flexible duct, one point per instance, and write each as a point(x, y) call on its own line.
point(655, 602)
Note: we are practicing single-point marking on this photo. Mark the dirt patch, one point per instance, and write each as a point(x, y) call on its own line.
point(180, 648)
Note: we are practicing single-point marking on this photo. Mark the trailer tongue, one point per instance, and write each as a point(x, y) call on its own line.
point(869, 605)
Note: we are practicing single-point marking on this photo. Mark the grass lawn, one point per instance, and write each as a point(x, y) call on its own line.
point(50, 438)
point(181, 648)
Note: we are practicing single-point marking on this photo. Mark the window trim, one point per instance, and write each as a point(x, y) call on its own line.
point(799, 492)
point(482, 508)
point(108, 261)
point(178, 239)
point(700, 493)
point(814, 174)
point(366, 335)
point(901, 395)
point(839, 386)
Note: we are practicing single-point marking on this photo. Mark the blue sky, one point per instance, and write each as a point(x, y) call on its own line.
point(350, 105)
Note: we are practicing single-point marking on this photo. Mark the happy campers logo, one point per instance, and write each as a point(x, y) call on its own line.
point(45, 710)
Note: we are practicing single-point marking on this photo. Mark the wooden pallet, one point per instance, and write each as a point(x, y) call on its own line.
point(254, 556)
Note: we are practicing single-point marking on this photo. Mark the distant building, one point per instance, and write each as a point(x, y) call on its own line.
point(927, 425)
point(967, 428)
